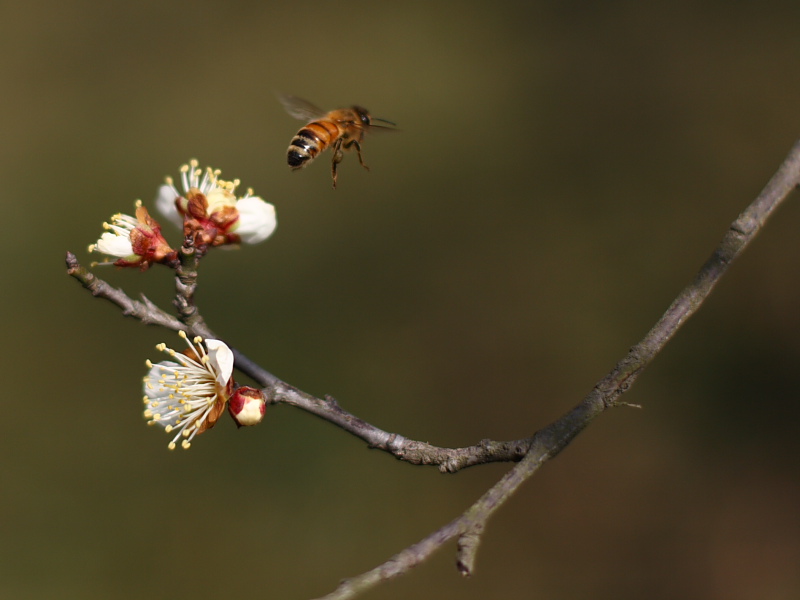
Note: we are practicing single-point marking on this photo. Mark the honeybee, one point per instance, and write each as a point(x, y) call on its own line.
point(341, 129)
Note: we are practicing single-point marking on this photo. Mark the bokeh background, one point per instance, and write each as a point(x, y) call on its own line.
point(563, 170)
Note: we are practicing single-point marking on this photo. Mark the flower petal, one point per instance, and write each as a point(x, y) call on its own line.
point(256, 219)
point(221, 359)
point(113, 244)
point(165, 203)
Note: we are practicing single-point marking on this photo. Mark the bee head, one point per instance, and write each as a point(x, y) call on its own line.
point(362, 114)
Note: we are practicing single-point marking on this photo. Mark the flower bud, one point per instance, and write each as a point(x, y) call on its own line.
point(247, 406)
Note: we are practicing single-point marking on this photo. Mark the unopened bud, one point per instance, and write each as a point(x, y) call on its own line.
point(247, 406)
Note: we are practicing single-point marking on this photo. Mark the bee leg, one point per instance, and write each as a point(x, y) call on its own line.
point(338, 155)
point(358, 151)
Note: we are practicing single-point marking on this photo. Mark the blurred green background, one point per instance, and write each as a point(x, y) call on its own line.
point(563, 170)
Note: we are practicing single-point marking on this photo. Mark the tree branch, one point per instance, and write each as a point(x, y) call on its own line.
point(276, 391)
point(548, 442)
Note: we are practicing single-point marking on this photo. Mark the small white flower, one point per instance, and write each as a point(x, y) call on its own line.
point(134, 241)
point(212, 206)
point(189, 393)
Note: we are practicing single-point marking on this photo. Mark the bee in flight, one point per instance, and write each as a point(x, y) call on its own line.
point(341, 129)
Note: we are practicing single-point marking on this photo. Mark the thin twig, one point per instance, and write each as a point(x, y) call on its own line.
point(145, 311)
point(448, 460)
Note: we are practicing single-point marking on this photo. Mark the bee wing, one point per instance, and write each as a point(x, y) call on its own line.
point(301, 109)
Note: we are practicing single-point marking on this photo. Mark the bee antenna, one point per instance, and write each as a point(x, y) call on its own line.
point(383, 121)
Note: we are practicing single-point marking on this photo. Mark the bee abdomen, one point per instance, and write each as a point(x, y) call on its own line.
point(309, 142)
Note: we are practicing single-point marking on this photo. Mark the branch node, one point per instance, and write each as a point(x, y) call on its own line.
point(468, 543)
point(451, 465)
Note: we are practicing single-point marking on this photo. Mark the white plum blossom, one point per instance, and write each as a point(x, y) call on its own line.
point(209, 206)
point(133, 241)
point(189, 393)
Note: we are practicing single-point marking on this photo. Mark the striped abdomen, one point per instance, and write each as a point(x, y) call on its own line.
point(310, 141)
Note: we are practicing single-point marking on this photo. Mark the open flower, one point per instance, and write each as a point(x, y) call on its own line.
point(208, 207)
point(134, 241)
point(188, 394)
